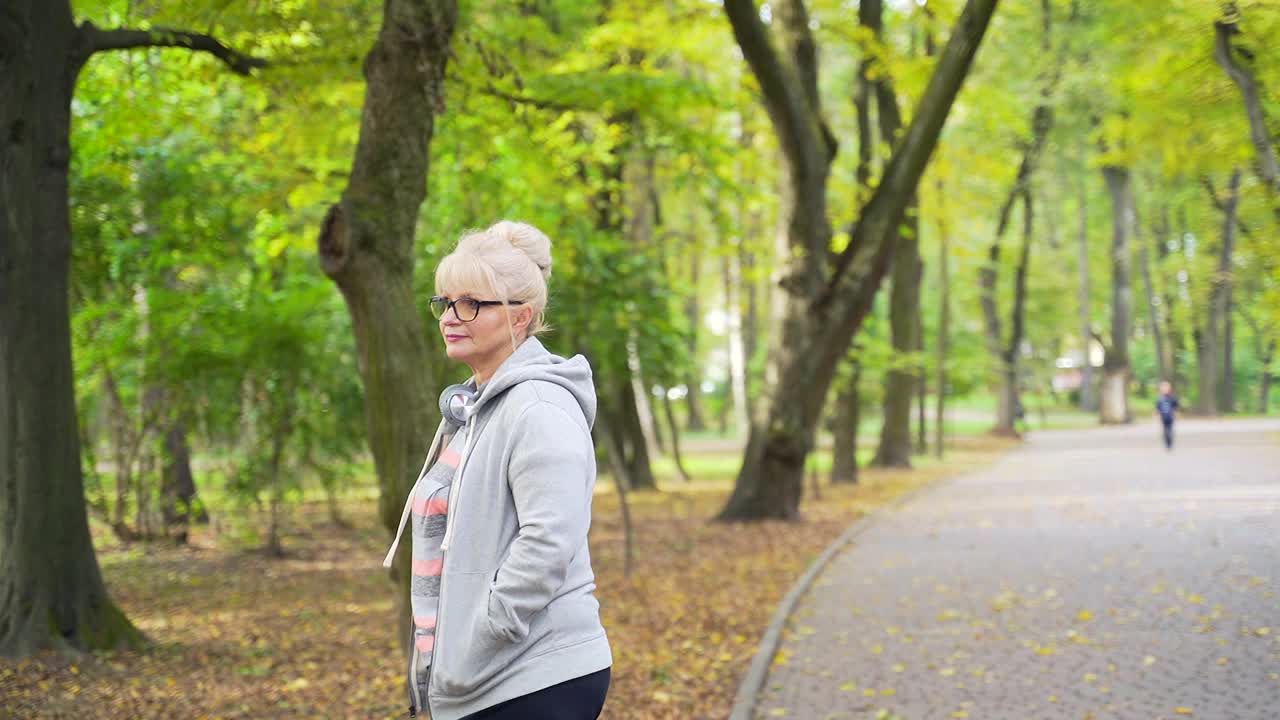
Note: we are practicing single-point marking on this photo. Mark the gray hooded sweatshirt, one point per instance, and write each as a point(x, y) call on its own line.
point(517, 610)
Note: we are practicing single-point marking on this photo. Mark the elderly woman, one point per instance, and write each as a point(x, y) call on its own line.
point(506, 623)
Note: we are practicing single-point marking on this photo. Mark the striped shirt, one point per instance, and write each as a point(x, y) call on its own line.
point(430, 507)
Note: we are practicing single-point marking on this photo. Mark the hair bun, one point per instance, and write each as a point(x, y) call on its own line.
point(527, 239)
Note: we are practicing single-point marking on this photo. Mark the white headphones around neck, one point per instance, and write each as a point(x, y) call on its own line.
point(457, 402)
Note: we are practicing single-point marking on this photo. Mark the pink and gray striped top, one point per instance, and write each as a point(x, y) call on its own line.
point(429, 513)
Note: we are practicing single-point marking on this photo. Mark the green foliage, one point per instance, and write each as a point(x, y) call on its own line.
point(196, 196)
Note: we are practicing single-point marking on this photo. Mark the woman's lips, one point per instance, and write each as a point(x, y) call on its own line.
point(454, 338)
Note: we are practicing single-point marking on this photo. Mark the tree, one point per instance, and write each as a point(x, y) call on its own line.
point(1006, 353)
point(366, 246)
point(820, 303)
point(905, 265)
point(1114, 398)
point(51, 595)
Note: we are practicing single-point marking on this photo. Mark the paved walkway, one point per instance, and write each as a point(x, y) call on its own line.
point(1089, 575)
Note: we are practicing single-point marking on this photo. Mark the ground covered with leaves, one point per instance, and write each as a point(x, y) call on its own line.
point(241, 635)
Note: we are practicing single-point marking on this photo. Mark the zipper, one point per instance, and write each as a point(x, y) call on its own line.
point(413, 673)
point(455, 496)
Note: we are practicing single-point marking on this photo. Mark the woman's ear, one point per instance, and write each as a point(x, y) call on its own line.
point(523, 317)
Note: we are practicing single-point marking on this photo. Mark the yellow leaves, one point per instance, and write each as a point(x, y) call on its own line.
point(947, 672)
point(1148, 661)
point(1084, 616)
point(899, 667)
point(848, 686)
point(297, 684)
point(1183, 711)
point(1262, 631)
point(1004, 601)
point(660, 696)
point(778, 712)
point(1078, 639)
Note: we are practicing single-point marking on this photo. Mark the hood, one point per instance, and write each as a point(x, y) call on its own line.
point(532, 361)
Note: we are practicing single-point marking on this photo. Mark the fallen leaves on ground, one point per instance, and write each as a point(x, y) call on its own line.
point(241, 635)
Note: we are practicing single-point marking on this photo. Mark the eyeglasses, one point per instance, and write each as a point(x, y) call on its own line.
point(465, 309)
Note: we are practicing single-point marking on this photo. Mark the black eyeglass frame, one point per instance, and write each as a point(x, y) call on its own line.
point(448, 304)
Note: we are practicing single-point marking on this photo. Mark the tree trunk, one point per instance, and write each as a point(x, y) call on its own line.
point(822, 306)
point(1222, 292)
point(737, 349)
point(922, 396)
point(1226, 393)
point(622, 483)
point(645, 417)
point(944, 326)
point(1207, 403)
point(282, 428)
point(627, 434)
point(674, 429)
point(1114, 405)
point(1174, 331)
point(844, 430)
point(1210, 339)
point(751, 313)
point(124, 447)
point(366, 246)
point(51, 593)
point(1264, 387)
point(639, 222)
point(1154, 310)
point(1006, 357)
point(894, 449)
point(693, 318)
point(1013, 381)
point(179, 483)
point(1088, 402)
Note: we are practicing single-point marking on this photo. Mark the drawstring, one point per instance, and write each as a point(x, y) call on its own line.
point(408, 503)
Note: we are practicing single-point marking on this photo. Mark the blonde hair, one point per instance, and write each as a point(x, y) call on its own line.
point(511, 260)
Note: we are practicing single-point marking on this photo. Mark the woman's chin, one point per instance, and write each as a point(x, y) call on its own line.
point(455, 351)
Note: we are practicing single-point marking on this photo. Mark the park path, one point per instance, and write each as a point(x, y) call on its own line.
point(1089, 574)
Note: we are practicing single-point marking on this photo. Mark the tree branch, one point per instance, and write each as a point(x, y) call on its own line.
point(539, 103)
point(1101, 341)
point(1207, 182)
point(95, 39)
point(798, 127)
point(1243, 78)
point(913, 151)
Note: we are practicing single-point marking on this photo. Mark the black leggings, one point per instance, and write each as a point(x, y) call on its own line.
point(577, 699)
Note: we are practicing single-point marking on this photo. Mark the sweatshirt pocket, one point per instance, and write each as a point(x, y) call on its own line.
point(470, 655)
